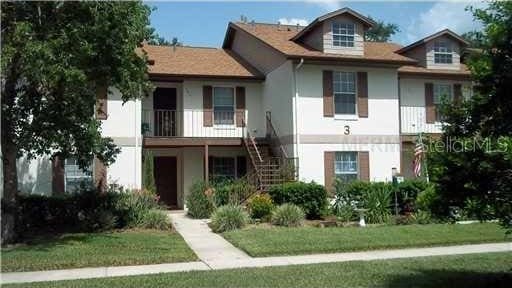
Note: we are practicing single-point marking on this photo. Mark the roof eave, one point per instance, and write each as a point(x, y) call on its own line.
point(354, 60)
point(176, 76)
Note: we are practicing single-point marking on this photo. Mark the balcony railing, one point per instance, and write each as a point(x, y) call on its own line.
point(414, 121)
point(190, 123)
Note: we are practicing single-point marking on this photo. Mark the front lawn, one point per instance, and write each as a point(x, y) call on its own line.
point(258, 241)
point(476, 270)
point(131, 247)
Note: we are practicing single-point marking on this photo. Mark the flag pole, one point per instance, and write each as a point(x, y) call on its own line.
point(424, 158)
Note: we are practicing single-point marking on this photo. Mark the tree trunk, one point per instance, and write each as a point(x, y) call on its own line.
point(9, 193)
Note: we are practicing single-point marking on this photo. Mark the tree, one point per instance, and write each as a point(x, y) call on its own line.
point(148, 176)
point(474, 38)
point(381, 32)
point(158, 40)
point(55, 57)
point(480, 170)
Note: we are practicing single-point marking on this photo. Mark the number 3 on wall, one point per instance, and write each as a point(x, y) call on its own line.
point(346, 130)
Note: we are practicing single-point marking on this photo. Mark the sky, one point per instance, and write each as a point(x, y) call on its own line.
point(204, 23)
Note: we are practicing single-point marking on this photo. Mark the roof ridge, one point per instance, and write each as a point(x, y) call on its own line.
point(186, 46)
point(268, 24)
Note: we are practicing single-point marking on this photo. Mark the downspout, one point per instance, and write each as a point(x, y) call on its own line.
point(296, 109)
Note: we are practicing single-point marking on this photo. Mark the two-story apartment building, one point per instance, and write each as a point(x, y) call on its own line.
point(319, 97)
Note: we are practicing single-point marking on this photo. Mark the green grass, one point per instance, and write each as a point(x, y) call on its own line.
point(464, 271)
point(273, 241)
point(131, 247)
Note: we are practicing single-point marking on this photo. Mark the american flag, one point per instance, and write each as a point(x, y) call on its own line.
point(418, 157)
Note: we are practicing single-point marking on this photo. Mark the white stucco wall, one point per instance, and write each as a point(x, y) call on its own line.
point(383, 157)
point(123, 125)
point(278, 91)
point(35, 175)
point(412, 104)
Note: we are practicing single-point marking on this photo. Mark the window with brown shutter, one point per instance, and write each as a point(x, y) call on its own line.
point(240, 106)
point(101, 103)
point(328, 94)
point(430, 108)
point(362, 94)
point(364, 165)
point(207, 106)
point(329, 170)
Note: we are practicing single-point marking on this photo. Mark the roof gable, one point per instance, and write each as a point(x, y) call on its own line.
point(365, 20)
point(445, 32)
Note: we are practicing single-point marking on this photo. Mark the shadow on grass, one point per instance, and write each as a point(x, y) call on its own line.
point(453, 279)
point(48, 242)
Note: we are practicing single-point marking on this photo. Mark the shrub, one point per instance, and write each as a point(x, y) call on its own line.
point(311, 197)
point(199, 200)
point(134, 204)
point(260, 206)
point(344, 203)
point(148, 176)
point(229, 217)
point(155, 219)
point(408, 191)
point(428, 200)
point(378, 202)
point(288, 215)
point(475, 208)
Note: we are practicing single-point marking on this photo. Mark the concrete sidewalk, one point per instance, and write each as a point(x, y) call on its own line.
point(242, 262)
point(208, 246)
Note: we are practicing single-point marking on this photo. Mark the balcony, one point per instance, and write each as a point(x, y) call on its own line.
point(414, 121)
point(192, 123)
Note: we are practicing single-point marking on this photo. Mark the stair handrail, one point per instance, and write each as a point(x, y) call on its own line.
point(254, 146)
point(247, 135)
point(275, 144)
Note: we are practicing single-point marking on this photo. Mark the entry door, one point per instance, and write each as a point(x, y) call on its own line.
point(164, 107)
point(166, 180)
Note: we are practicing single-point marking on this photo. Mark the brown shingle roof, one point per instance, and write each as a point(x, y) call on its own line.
point(183, 61)
point(409, 69)
point(279, 37)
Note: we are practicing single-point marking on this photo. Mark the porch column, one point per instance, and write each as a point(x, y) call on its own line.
point(206, 164)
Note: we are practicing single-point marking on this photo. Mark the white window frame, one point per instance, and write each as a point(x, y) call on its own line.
point(73, 171)
point(444, 50)
point(438, 89)
point(341, 92)
point(343, 30)
point(338, 172)
point(234, 106)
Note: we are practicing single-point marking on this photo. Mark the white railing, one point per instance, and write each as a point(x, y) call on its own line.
point(190, 123)
point(414, 121)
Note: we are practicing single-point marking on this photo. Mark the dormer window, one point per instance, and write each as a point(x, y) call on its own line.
point(443, 53)
point(343, 34)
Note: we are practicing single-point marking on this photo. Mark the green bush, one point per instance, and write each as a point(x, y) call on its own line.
point(234, 192)
point(311, 197)
point(155, 219)
point(200, 200)
point(344, 203)
point(408, 191)
point(428, 200)
point(260, 206)
point(475, 208)
point(134, 204)
point(229, 217)
point(378, 202)
point(288, 215)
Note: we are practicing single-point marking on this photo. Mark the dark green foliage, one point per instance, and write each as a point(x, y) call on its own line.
point(85, 211)
point(199, 200)
point(311, 197)
point(381, 32)
point(228, 191)
point(148, 175)
point(288, 215)
point(482, 171)
point(229, 217)
point(260, 206)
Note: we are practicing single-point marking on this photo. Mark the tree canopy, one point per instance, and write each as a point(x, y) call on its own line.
point(55, 57)
point(381, 32)
point(480, 170)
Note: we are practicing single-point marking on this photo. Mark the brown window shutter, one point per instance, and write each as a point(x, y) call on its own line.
point(430, 108)
point(457, 93)
point(329, 170)
point(101, 103)
point(328, 94)
point(58, 175)
point(362, 94)
point(364, 165)
point(100, 175)
point(240, 106)
point(207, 106)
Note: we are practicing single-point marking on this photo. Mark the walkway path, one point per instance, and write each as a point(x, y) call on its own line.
point(216, 253)
point(210, 247)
